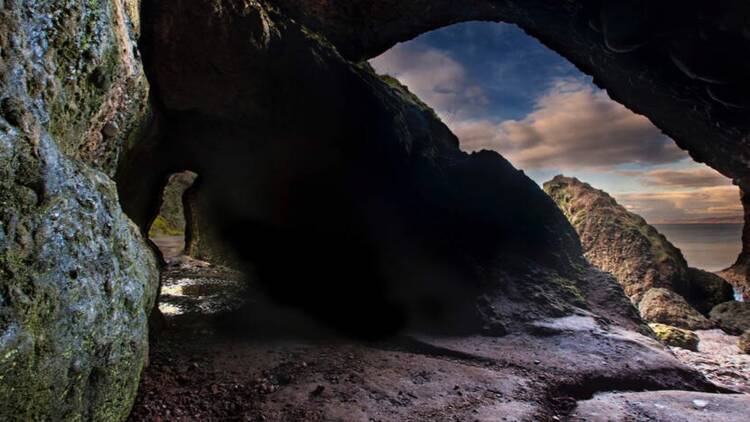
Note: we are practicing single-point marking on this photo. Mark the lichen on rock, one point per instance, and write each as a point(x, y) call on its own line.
point(675, 337)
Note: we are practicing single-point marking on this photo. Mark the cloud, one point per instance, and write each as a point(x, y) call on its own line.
point(572, 126)
point(708, 204)
point(434, 76)
point(685, 179)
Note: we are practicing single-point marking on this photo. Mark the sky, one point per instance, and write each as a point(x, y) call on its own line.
point(499, 89)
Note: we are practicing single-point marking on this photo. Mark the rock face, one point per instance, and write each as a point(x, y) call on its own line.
point(673, 336)
point(667, 307)
point(732, 317)
point(76, 278)
point(642, 260)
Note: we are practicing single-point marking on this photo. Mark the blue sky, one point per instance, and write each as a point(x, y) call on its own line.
point(499, 89)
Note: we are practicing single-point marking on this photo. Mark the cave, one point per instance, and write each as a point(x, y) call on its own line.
point(455, 287)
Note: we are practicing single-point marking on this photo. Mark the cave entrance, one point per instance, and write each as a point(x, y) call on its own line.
point(500, 89)
point(191, 285)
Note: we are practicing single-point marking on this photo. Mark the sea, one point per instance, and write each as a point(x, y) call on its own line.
point(711, 247)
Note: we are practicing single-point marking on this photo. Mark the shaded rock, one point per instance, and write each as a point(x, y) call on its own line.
point(76, 277)
point(676, 337)
point(744, 342)
point(706, 290)
point(732, 317)
point(667, 307)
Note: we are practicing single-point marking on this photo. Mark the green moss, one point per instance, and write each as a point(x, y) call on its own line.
point(676, 337)
point(161, 227)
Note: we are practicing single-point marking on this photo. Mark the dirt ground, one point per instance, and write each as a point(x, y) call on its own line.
point(256, 361)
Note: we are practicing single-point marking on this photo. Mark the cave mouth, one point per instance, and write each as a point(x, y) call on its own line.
point(500, 89)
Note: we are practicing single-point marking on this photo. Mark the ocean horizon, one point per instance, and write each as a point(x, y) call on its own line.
point(711, 247)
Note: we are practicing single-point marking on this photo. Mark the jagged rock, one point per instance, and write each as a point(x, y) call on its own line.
point(744, 342)
point(732, 317)
point(667, 307)
point(76, 277)
point(676, 337)
point(624, 244)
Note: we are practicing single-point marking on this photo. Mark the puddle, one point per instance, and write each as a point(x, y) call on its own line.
point(196, 294)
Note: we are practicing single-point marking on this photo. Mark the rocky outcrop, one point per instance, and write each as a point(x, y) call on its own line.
point(667, 307)
point(642, 259)
point(76, 278)
point(675, 337)
point(732, 317)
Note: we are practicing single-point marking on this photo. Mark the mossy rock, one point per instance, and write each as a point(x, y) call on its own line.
point(675, 337)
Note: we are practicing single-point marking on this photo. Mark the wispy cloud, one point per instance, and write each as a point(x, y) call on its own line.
point(680, 179)
point(434, 76)
point(573, 126)
point(708, 204)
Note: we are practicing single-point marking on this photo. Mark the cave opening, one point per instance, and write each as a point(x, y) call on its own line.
point(498, 88)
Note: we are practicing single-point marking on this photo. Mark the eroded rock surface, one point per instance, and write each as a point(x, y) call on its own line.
point(76, 278)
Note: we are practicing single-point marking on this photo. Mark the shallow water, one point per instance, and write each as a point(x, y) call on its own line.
point(712, 247)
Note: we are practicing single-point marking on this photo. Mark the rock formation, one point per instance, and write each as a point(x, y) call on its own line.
point(76, 278)
point(642, 260)
point(341, 191)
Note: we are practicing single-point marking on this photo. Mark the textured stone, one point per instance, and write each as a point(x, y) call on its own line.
point(76, 277)
point(744, 342)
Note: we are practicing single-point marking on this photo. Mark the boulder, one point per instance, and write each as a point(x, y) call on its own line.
point(675, 337)
point(667, 307)
point(706, 290)
point(732, 317)
point(77, 280)
point(744, 342)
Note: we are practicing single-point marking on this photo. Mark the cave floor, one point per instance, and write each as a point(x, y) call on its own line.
point(261, 362)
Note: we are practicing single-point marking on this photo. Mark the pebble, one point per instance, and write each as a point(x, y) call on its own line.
point(110, 130)
point(700, 404)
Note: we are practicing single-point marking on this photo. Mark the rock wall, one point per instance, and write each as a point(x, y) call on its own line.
point(76, 278)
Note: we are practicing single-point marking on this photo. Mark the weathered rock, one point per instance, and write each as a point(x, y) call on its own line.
point(76, 278)
point(667, 307)
point(744, 342)
point(732, 317)
point(676, 337)
point(739, 273)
